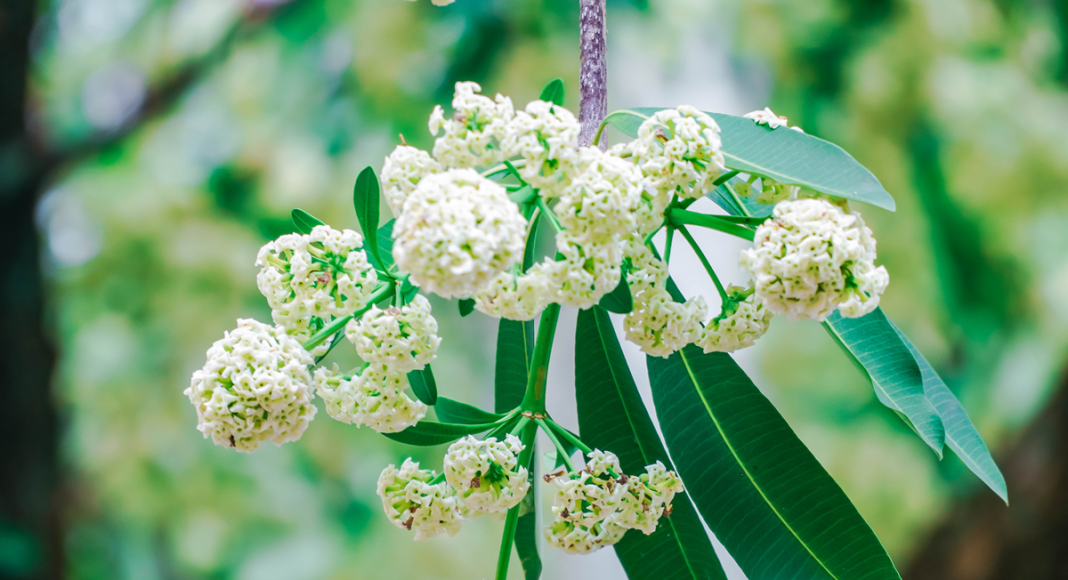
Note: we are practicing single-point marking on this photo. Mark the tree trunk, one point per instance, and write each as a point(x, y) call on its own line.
point(593, 71)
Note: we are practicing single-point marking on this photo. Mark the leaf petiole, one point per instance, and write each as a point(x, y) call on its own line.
point(556, 443)
point(680, 217)
point(704, 262)
point(339, 323)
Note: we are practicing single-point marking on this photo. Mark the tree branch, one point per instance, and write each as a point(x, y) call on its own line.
point(593, 74)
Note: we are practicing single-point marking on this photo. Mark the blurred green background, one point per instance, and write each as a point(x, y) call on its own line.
point(160, 143)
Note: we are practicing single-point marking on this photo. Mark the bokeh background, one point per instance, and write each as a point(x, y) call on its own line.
point(149, 147)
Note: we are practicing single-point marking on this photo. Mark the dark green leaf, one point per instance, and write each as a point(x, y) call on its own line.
point(527, 532)
point(467, 306)
point(423, 385)
point(784, 155)
point(760, 490)
point(961, 435)
point(429, 433)
point(408, 290)
point(619, 300)
point(553, 92)
point(452, 411)
point(365, 198)
point(515, 348)
point(876, 349)
point(305, 221)
point(612, 416)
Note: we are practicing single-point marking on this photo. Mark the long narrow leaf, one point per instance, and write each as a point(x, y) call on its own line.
point(423, 385)
point(527, 532)
point(305, 221)
point(451, 411)
point(767, 499)
point(961, 434)
point(873, 344)
point(365, 198)
point(515, 347)
point(429, 433)
point(613, 417)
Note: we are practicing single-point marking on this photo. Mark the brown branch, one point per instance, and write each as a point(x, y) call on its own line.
point(593, 73)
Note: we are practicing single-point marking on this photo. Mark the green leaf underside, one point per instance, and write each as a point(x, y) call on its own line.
point(385, 244)
point(760, 490)
point(515, 348)
point(365, 198)
point(305, 221)
point(620, 299)
point(961, 435)
point(430, 433)
point(723, 198)
point(782, 154)
point(424, 386)
point(612, 416)
point(553, 92)
point(452, 411)
point(527, 533)
point(467, 306)
point(875, 347)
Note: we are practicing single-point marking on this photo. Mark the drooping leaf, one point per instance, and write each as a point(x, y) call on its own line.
point(305, 221)
point(782, 154)
point(452, 411)
point(760, 490)
point(467, 306)
point(365, 198)
point(515, 348)
point(874, 346)
point(612, 416)
point(423, 385)
point(430, 433)
point(961, 435)
point(553, 92)
point(619, 300)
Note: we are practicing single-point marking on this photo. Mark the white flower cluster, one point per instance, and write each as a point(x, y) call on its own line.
point(811, 258)
point(486, 473)
point(456, 232)
point(658, 324)
point(375, 397)
point(398, 340)
point(473, 135)
point(308, 279)
point(546, 137)
point(412, 501)
point(594, 507)
point(678, 151)
point(740, 323)
point(405, 167)
point(253, 388)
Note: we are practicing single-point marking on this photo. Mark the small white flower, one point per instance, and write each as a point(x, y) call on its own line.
point(600, 201)
point(374, 398)
point(457, 231)
point(486, 473)
point(586, 273)
point(516, 296)
point(472, 136)
point(579, 539)
point(546, 137)
point(399, 339)
point(813, 257)
point(678, 150)
point(646, 498)
point(658, 324)
point(739, 325)
point(403, 171)
point(411, 502)
point(308, 279)
point(591, 495)
point(254, 387)
point(766, 117)
point(769, 191)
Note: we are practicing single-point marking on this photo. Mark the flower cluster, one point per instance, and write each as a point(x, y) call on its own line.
point(375, 397)
point(740, 323)
point(658, 324)
point(594, 507)
point(812, 257)
point(678, 151)
point(396, 339)
point(253, 388)
point(413, 501)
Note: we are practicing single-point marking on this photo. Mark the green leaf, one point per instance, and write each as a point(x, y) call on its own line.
point(612, 416)
point(724, 198)
point(365, 198)
point(760, 490)
point(874, 346)
point(553, 92)
point(783, 155)
point(515, 349)
point(619, 300)
point(385, 245)
point(429, 433)
point(452, 411)
point(961, 435)
point(305, 221)
point(423, 385)
point(527, 532)
point(467, 306)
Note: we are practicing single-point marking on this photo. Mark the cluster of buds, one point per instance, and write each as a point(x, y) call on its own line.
point(594, 507)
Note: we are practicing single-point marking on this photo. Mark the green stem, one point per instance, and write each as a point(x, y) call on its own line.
point(553, 220)
point(534, 399)
point(556, 443)
point(667, 244)
point(339, 323)
point(725, 177)
point(704, 262)
point(570, 438)
point(514, 171)
point(737, 200)
point(511, 521)
point(681, 217)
